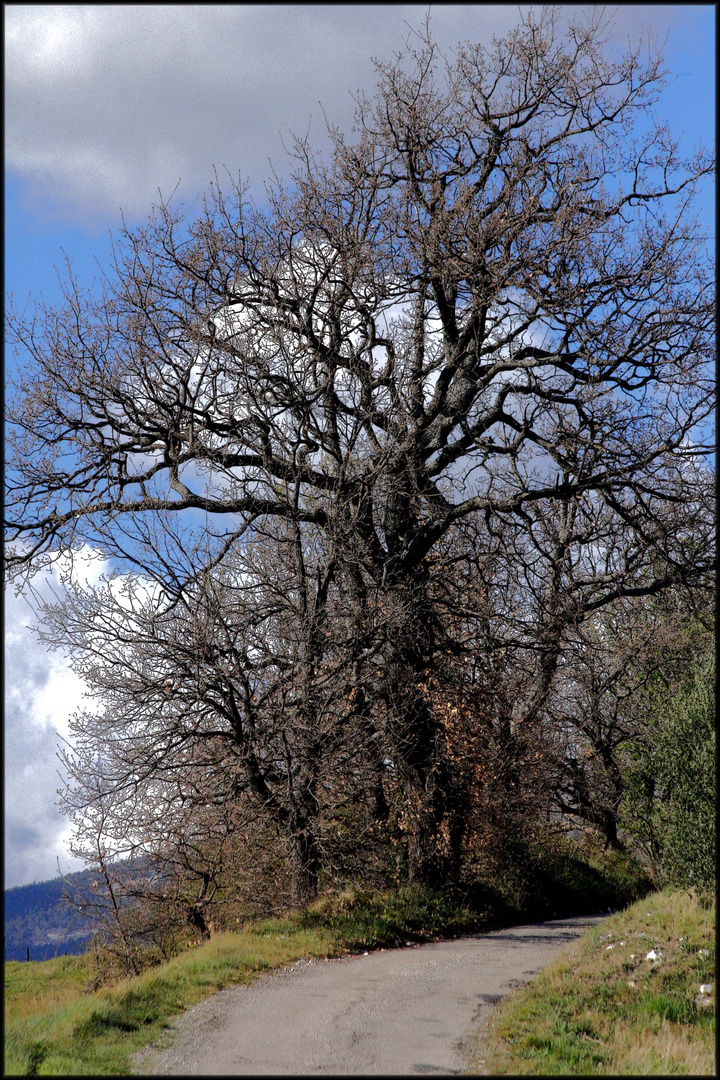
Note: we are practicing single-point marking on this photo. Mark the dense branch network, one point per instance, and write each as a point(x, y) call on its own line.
point(490, 313)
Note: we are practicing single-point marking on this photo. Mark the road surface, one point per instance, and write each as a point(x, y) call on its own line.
point(404, 1011)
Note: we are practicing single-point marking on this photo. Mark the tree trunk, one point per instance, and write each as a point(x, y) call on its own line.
point(433, 818)
point(197, 920)
point(196, 916)
point(432, 860)
point(609, 829)
point(433, 814)
point(304, 865)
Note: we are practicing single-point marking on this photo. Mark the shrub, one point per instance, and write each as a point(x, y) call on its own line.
point(671, 791)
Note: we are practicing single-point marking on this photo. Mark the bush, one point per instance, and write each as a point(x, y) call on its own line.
point(671, 800)
point(684, 761)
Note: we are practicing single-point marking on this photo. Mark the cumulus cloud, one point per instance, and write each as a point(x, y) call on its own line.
point(41, 693)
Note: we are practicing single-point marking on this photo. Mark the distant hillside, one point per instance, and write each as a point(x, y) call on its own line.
point(37, 916)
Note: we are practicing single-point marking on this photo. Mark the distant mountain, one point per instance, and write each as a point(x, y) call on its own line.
point(39, 918)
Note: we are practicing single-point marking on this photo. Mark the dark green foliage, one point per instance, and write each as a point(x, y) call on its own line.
point(684, 760)
point(546, 875)
point(372, 920)
point(672, 786)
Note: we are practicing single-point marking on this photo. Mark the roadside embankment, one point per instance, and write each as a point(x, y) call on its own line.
point(635, 996)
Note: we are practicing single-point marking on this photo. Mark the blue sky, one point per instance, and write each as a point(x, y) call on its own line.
point(104, 105)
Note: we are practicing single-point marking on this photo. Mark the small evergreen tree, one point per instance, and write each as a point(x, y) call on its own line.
point(671, 799)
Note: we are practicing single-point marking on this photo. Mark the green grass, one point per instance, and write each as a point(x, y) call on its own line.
point(58, 1023)
point(605, 1009)
point(39, 987)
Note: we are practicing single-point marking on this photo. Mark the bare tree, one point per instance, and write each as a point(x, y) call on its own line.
point(165, 867)
point(493, 298)
point(229, 692)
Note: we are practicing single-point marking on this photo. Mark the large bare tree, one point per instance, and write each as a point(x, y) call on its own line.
point(492, 297)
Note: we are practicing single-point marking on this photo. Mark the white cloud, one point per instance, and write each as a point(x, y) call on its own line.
point(41, 693)
point(84, 567)
point(61, 696)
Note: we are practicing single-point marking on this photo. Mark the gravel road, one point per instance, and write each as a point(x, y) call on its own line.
point(402, 1011)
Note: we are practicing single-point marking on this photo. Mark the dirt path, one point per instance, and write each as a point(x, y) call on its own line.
point(401, 1011)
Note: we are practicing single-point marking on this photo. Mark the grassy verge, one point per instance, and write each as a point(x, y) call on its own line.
point(86, 1034)
point(606, 1009)
point(57, 1024)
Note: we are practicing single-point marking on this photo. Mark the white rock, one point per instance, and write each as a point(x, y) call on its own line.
point(609, 947)
point(654, 955)
point(706, 988)
point(703, 952)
